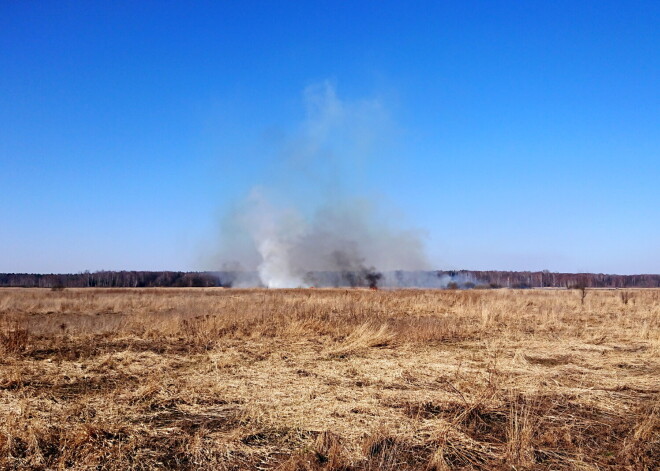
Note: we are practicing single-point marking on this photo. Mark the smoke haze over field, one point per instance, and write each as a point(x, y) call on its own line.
point(317, 218)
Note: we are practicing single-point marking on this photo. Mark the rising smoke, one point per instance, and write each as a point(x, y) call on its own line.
point(317, 227)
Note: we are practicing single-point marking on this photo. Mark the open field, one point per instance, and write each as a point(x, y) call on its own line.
point(329, 379)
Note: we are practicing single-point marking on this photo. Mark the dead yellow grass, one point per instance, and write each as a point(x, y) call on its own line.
point(329, 379)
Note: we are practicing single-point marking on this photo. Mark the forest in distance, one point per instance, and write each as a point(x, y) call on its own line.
point(459, 279)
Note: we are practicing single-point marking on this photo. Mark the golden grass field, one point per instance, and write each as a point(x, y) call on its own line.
point(329, 379)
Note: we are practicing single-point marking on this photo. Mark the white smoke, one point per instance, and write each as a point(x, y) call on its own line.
point(274, 234)
point(323, 221)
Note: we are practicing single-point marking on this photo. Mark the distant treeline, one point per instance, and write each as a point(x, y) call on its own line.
point(432, 279)
point(546, 279)
point(110, 279)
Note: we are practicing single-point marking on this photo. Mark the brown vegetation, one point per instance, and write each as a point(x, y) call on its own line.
point(329, 379)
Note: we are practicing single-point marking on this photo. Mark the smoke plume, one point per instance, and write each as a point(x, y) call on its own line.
point(315, 224)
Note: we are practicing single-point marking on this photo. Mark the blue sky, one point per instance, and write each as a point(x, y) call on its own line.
point(520, 135)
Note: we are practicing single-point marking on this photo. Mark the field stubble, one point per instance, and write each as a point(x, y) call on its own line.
point(329, 379)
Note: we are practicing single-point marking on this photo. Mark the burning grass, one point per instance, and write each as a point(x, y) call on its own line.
point(329, 379)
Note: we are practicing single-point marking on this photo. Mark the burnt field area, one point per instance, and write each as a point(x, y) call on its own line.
point(329, 379)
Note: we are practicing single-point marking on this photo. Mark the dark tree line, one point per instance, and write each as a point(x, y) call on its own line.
point(110, 279)
point(546, 279)
point(467, 278)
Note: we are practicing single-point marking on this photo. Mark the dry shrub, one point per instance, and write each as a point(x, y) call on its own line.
point(520, 433)
point(384, 450)
point(326, 453)
point(14, 337)
point(457, 450)
point(362, 338)
point(641, 448)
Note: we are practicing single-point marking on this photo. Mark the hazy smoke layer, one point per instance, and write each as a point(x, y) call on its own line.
point(387, 279)
point(322, 231)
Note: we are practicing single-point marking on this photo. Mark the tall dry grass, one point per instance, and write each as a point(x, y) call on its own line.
point(329, 379)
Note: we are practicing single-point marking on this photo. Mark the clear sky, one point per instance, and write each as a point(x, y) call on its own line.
point(527, 133)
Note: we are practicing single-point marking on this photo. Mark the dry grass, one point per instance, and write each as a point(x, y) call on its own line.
point(329, 379)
